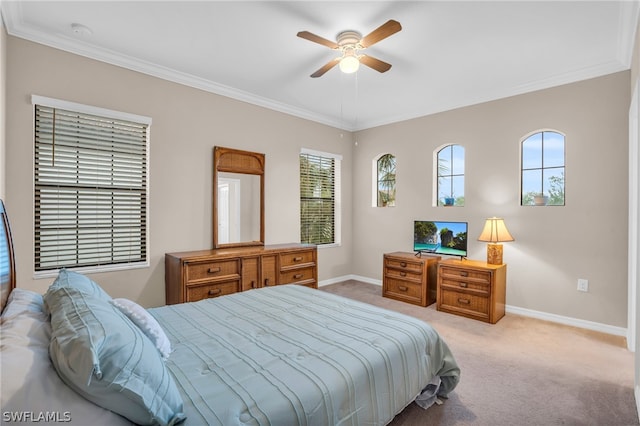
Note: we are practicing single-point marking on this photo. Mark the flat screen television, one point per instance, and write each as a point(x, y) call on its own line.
point(439, 237)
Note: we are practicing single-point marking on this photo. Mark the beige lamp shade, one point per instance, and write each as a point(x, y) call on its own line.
point(495, 232)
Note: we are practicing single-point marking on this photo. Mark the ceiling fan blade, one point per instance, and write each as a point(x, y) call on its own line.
point(332, 63)
point(317, 39)
point(374, 63)
point(383, 31)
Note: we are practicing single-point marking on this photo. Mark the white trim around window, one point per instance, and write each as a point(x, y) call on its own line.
point(91, 188)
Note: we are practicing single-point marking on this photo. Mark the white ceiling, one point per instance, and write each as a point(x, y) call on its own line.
point(449, 53)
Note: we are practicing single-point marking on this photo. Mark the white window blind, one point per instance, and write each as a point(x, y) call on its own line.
point(319, 201)
point(90, 189)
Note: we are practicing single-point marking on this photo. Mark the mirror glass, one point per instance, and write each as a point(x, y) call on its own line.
point(238, 198)
point(238, 208)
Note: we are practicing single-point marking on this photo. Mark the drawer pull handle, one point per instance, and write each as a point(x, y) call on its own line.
point(298, 276)
point(464, 274)
point(297, 259)
point(403, 264)
point(403, 274)
point(463, 301)
point(402, 288)
point(213, 270)
point(214, 292)
point(464, 285)
point(266, 282)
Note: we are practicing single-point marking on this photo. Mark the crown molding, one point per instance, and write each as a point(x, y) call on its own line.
point(628, 18)
point(533, 86)
point(11, 12)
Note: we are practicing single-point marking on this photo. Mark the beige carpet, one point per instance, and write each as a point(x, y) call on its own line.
point(520, 371)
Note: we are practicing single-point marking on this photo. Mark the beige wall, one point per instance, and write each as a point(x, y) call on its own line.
point(187, 124)
point(554, 246)
point(3, 86)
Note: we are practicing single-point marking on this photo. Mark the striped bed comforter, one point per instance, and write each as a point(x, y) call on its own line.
point(291, 355)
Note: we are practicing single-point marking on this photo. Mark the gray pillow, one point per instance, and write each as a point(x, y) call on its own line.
point(80, 282)
point(103, 356)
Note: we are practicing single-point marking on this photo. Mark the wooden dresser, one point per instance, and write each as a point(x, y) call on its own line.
point(410, 278)
point(196, 275)
point(472, 289)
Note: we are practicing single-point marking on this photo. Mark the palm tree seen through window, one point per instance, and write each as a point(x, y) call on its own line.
point(386, 180)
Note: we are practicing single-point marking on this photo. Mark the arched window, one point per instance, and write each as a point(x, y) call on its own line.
point(450, 176)
point(386, 180)
point(542, 169)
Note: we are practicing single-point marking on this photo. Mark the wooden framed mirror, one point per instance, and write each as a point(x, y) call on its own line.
point(238, 198)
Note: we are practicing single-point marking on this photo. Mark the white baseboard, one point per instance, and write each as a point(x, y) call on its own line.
point(575, 322)
point(350, 277)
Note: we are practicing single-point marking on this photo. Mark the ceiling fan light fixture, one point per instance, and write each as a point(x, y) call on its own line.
point(349, 64)
point(349, 43)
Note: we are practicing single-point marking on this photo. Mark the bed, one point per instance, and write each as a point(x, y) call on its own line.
point(281, 355)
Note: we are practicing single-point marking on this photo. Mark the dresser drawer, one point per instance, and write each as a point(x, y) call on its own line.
point(269, 271)
point(403, 275)
point(199, 292)
point(465, 303)
point(296, 258)
point(297, 275)
point(403, 264)
point(205, 271)
point(403, 289)
point(479, 288)
point(465, 274)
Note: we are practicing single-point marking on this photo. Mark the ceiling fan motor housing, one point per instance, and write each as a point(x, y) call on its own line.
point(349, 38)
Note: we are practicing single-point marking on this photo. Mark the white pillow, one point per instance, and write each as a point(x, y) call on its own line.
point(147, 323)
point(22, 301)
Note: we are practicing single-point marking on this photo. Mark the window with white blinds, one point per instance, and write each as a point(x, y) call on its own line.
point(7, 267)
point(319, 197)
point(91, 188)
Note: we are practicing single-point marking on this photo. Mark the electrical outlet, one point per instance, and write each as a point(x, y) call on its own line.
point(583, 285)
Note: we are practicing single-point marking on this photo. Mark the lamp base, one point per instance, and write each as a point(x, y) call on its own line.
point(494, 254)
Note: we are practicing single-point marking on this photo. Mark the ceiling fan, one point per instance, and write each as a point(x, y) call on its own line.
point(350, 43)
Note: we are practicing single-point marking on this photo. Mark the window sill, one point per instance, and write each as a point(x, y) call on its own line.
point(91, 269)
point(324, 246)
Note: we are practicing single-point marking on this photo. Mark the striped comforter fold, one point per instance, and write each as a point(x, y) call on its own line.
point(291, 355)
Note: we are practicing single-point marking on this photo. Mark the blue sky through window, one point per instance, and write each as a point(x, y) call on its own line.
point(542, 161)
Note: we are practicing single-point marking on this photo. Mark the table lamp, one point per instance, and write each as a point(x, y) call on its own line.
point(495, 232)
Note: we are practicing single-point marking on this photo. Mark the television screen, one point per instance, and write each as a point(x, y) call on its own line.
point(449, 238)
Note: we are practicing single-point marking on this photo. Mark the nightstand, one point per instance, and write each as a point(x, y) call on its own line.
point(410, 278)
point(472, 289)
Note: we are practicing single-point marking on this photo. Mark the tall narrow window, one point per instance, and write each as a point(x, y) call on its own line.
point(542, 167)
point(319, 197)
point(386, 180)
point(450, 176)
point(90, 187)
